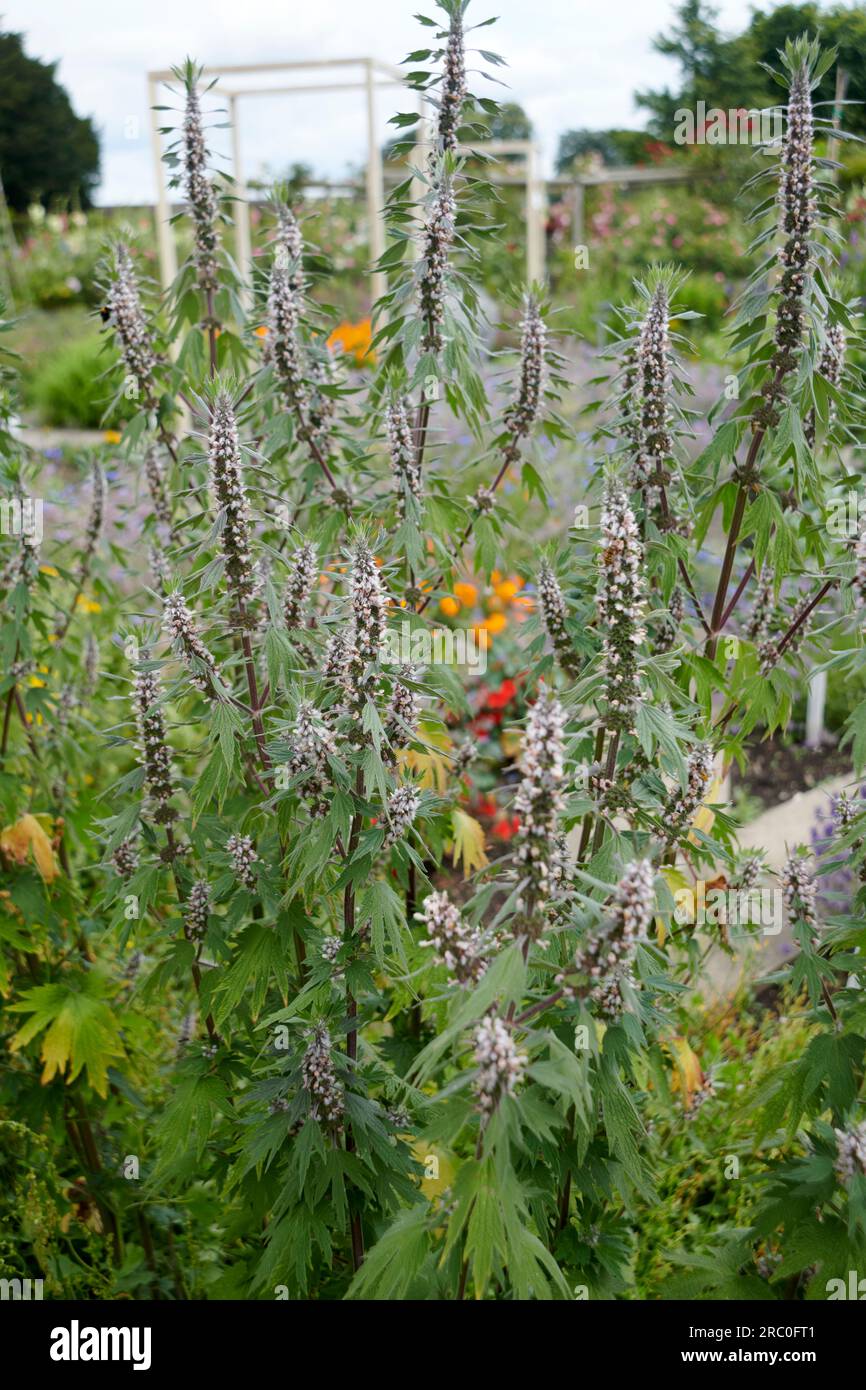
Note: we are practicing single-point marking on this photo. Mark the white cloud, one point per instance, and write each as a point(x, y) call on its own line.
point(571, 63)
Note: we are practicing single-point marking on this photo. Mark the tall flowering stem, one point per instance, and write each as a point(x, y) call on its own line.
point(621, 606)
point(201, 199)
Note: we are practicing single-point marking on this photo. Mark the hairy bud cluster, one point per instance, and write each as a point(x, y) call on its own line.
point(850, 1152)
point(95, 522)
point(242, 852)
point(285, 301)
point(369, 605)
point(152, 747)
point(227, 483)
point(796, 218)
point(303, 574)
point(554, 615)
point(538, 804)
point(621, 605)
point(522, 415)
point(401, 717)
point(799, 889)
point(453, 91)
point(197, 910)
point(403, 807)
point(653, 386)
point(607, 957)
point(404, 457)
point(125, 858)
point(831, 365)
point(187, 643)
point(699, 773)
point(311, 743)
point(500, 1064)
point(126, 316)
point(200, 194)
point(438, 240)
point(319, 1078)
point(456, 945)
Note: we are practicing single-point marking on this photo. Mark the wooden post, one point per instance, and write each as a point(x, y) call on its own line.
point(241, 213)
point(817, 699)
point(841, 90)
point(535, 209)
point(375, 189)
point(164, 230)
point(578, 202)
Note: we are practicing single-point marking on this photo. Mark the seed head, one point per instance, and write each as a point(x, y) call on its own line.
point(438, 240)
point(153, 751)
point(197, 910)
point(200, 194)
point(538, 804)
point(799, 888)
point(181, 627)
point(404, 458)
point(555, 614)
point(127, 318)
point(302, 578)
point(242, 852)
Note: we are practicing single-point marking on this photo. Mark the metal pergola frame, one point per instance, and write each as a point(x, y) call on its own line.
point(371, 74)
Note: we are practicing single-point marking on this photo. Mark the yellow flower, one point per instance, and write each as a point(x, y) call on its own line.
point(467, 593)
point(507, 590)
point(88, 605)
point(449, 606)
point(112, 436)
point(35, 682)
point(48, 569)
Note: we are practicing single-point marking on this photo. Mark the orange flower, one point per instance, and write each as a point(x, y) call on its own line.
point(449, 606)
point(495, 623)
point(355, 340)
point(467, 593)
point(507, 590)
point(262, 330)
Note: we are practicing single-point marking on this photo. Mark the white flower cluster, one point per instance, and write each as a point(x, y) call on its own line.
point(404, 457)
point(181, 627)
point(242, 852)
point(403, 804)
point(554, 615)
point(230, 497)
point(303, 573)
point(327, 1099)
point(501, 1065)
point(749, 871)
point(126, 316)
point(438, 240)
point(197, 909)
point(311, 742)
point(456, 945)
point(200, 195)
point(538, 804)
point(845, 810)
point(323, 406)
point(850, 1152)
point(799, 888)
point(522, 415)
point(153, 750)
point(621, 605)
point(699, 772)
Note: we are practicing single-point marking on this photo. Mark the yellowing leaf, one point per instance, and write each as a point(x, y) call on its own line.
point(704, 818)
point(438, 1168)
point(687, 1073)
point(82, 1028)
point(431, 766)
point(468, 842)
point(27, 836)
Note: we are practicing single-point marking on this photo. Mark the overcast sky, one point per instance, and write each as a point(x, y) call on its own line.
point(572, 63)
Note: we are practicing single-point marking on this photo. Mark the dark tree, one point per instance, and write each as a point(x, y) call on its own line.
point(46, 151)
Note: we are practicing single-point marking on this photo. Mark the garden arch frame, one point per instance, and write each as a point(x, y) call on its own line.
point(355, 74)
